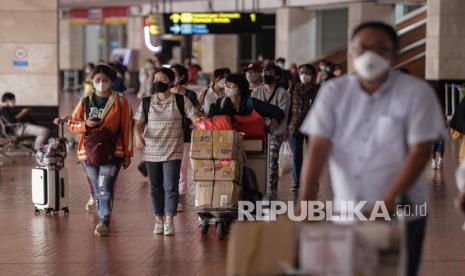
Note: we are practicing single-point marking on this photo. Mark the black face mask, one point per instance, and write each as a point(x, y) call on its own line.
point(268, 79)
point(159, 87)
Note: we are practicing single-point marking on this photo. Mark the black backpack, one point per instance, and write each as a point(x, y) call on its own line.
point(179, 104)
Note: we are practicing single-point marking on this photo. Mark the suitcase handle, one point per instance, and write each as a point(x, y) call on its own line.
point(62, 126)
point(62, 188)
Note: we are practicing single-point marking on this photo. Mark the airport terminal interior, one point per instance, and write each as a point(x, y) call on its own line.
point(134, 132)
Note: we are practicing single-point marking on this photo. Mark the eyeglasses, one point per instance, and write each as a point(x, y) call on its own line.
point(360, 49)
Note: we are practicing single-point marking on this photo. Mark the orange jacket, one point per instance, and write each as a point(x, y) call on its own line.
point(117, 116)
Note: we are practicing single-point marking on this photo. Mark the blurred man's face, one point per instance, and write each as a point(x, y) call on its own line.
point(371, 54)
point(372, 40)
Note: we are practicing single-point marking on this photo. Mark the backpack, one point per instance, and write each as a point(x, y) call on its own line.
point(179, 103)
point(100, 143)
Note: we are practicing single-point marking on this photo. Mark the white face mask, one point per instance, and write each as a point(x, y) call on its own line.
point(280, 64)
point(370, 65)
point(231, 92)
point(221, 83)
point(304, 78)
point(101, 86)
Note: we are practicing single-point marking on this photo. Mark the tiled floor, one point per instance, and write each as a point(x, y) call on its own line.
point(57, 245)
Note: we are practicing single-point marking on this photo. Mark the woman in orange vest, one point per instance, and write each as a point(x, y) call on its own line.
point(103, 109)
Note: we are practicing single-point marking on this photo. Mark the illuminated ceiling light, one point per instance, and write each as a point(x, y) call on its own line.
point(148, 43)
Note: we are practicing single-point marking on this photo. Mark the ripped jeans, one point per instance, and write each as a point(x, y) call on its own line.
point(103, 179)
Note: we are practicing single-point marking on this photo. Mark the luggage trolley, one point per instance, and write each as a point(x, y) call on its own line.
point(257, 160)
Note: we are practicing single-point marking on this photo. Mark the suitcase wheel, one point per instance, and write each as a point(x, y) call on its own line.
point(66, 210)
point(220, 230)
point(47, 212)
point(36, 211)
point(204, 228)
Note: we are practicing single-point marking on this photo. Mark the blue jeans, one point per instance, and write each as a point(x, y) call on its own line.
point(296, 141)
point(164, 186)
point(103, 179)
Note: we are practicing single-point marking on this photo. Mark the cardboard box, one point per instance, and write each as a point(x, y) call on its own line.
point(203, 194)
point(228, 170)
point(261, 248)
point(226, 144)
point(253, 145)
point(335, 250)
point(201, 144)
point(203, 170)
point(226, 194)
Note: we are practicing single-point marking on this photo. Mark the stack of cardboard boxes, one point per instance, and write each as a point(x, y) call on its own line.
point(217, 161)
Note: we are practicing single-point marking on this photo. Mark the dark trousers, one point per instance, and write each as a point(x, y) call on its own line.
point(415, 236)
point(296, 141)
point(164, 186)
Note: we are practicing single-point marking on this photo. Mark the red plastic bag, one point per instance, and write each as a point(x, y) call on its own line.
point(215, 123)
point(222, 123)
point(253, 125)
point(204, 124)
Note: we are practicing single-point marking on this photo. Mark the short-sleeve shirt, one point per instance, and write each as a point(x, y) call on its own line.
point(8, 114)
point(210, 98)
point(164, 138)
point(370, 134)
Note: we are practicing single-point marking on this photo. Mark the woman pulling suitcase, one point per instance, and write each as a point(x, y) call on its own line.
point(103, 120)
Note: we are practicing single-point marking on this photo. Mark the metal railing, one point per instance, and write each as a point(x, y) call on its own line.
point(452, 98)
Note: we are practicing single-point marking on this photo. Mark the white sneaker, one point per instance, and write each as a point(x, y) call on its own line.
point(90, 205)
point(433, 164)
point(102, 230)
point(169, 228)
point(439, 164)
point(158, 227)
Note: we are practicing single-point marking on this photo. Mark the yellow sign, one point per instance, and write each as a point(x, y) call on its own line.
point(206, 18)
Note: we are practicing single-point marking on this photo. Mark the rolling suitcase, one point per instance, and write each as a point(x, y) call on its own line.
point(50, 177)
point(50, 189)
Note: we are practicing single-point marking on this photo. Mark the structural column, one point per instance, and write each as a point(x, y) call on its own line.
point(296, 35)
point(445, 47)
point(29, 51)
point(219, 51)
point(71, 46)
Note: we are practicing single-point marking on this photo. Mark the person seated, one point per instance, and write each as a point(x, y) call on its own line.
point(17, 123)
point(238, 104)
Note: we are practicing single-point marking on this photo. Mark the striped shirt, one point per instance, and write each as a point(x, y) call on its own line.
point(163, 134)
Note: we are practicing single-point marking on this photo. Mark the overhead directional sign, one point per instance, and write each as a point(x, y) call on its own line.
point(190, 23)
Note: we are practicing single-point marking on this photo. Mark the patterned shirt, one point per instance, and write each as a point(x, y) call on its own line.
point(302, 100)
point(163, 133)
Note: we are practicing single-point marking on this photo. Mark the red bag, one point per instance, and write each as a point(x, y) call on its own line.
point(215, 123)
point(253, 125)
point(100, 144)
point(204, 124)
point(222, 123)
